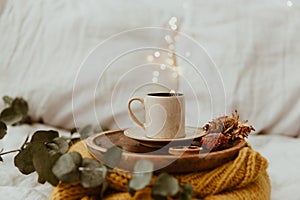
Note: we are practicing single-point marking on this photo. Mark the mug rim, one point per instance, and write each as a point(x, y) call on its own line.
point(165, 94)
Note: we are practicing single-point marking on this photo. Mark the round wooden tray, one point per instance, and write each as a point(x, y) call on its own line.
point(162, 160)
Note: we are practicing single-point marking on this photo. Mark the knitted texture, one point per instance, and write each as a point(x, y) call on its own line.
point(242, 178)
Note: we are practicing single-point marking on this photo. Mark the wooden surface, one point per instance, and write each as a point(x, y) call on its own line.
point(162, 160)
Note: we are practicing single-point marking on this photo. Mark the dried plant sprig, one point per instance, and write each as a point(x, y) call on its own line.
point(225, 129)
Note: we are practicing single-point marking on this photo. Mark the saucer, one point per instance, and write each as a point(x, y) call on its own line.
point(139, 134)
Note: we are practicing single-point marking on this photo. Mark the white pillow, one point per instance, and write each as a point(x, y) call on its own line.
point(254, 48)
point(44, 43)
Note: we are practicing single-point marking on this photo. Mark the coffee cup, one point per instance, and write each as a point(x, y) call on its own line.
point(164, 115)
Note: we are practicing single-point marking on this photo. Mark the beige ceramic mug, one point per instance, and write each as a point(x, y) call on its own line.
point(164, 115)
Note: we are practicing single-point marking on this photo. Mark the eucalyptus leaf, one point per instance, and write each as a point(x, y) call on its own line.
point(187, 192)
point(165, 185)
point(7, 100)
point(43, 163)
point(61, 143)
point(143, 166)
point(41, 180)
point(23, 161)
point(86, 131)
point(53, 147)
point(142, 175)
point(91, 173)
point(65, 169)
point(44, 136)
point(112, 156)
point(76, 157)
point(9, 116)
point(3, 129)
point(100, 129)
point(20, 106)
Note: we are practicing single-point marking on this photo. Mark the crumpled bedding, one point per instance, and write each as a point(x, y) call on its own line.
point(282, 153)
point(254, 47)
point(13, 184)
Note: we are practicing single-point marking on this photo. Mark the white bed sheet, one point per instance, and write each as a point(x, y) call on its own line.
point(13, 184)
point(251, 45)
point(283, 155)
point(282, 152)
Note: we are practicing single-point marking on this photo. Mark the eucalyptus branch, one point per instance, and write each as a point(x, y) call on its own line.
point(46, 154)
point(11, 151)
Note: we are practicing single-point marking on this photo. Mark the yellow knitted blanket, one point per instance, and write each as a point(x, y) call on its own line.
point(243, 178)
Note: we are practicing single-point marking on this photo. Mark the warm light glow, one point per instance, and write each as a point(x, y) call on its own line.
point(150, 58)
point(174, 27)
point(163, 66)
point(174, 74)
point(187, 54)
point(289, 3)
point(156, 54)
point(172, 23)
point(154, 79)
point(155, 73)
point(171, 47)
point(168, 39)
point(170, 61)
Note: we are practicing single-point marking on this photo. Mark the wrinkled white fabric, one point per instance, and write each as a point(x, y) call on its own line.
point(282, 154)
point(13, 184)
point(254, 46)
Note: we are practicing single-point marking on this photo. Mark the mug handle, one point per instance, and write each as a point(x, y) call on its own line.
point(133, 117)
